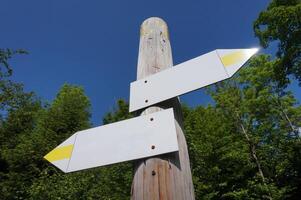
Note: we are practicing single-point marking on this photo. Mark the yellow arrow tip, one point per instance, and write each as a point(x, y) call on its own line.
point(238, 56)
point(59, 153)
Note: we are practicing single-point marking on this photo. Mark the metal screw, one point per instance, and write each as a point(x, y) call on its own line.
point(153, 173)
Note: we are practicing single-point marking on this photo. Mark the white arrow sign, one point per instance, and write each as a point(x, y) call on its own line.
point(140, 137)
point(188, 76)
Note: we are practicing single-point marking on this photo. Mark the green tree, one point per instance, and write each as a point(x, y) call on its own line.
point(219, 158)
point(252, 100)
point(67, 114)
point(5, 56)
point(281, 23)
point(278, 126)
point(17, 118)
point(11, 94)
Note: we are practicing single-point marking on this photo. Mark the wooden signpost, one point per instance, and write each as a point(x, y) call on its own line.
point(166, 176)
point(155, 138)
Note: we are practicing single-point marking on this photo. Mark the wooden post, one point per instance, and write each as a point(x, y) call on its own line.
point(166, 176)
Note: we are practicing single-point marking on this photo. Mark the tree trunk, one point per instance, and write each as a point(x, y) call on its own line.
point(254, 156)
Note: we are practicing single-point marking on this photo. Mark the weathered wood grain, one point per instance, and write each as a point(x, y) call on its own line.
point(166, 176)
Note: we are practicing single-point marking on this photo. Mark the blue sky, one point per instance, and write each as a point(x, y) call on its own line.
point(94, 43)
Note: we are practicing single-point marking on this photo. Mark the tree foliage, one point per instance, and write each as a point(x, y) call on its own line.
point(268, 120)
point(281, 23)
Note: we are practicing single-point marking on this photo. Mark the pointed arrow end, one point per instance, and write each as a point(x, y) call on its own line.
point(251, 52)
point(234, 59)
point(60, 156)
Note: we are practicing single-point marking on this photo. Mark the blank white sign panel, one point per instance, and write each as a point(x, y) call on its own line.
point(135, 138)
point(188, 76)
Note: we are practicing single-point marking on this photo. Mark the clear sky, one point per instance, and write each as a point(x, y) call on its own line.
point(94, 43)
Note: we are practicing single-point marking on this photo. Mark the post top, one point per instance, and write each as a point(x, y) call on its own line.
point(154, 20)
point(154, 26)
